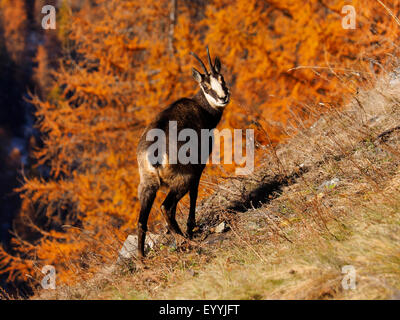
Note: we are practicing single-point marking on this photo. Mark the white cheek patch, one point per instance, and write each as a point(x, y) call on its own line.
point(216, 86)
point(213, 103)
point(211, 100)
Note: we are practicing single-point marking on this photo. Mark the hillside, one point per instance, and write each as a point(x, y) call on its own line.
point(316, 80)
point(328, 197)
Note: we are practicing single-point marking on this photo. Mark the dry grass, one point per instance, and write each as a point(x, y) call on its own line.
point(309, 267)
point(298, 230)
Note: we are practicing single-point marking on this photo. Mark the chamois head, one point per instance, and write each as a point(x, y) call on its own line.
point(212, 83)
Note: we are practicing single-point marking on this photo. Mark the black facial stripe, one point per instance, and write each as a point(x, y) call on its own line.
point(215, 95)
point(207, 87)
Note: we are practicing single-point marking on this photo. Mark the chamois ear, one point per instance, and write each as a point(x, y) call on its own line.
point(197, 75)
point(217, 65)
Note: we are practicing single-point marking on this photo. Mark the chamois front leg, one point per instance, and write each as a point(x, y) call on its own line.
point(147, 194)
point(191, 222)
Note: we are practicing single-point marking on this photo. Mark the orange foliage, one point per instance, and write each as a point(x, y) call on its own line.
point(263, 41)
point(278, 57)
point(14, 24)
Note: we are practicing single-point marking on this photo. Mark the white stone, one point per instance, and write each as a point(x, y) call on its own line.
point(130, 247)
point(221, 227)
point(329, 184)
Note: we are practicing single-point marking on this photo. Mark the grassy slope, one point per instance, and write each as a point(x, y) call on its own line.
point(298, 233)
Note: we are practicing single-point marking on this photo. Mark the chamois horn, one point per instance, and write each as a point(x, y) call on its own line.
point(209, 61)
point(201, 62)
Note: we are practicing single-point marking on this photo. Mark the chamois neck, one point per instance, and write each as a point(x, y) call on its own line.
point(201, 99)
point(213, 114)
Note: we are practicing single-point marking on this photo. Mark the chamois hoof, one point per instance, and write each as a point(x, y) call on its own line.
point(190, 232)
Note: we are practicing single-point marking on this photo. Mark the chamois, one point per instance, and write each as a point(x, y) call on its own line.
point(202, 111)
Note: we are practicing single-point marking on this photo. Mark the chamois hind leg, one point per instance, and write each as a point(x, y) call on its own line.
point(147, 194)
point(191, 222)
point(168, 209)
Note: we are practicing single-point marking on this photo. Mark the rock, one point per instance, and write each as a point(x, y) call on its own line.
point(394, 82)
point(151, 240)
point(221, 227)
point(130, 246)
point(394, 78)
point(329, 184)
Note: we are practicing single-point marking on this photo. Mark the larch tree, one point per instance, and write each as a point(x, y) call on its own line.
point(14, 23)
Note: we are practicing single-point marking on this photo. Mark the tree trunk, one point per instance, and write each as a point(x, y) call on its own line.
point(172, 17)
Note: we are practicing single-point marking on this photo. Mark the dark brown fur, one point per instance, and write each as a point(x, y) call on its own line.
point(194, 113)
